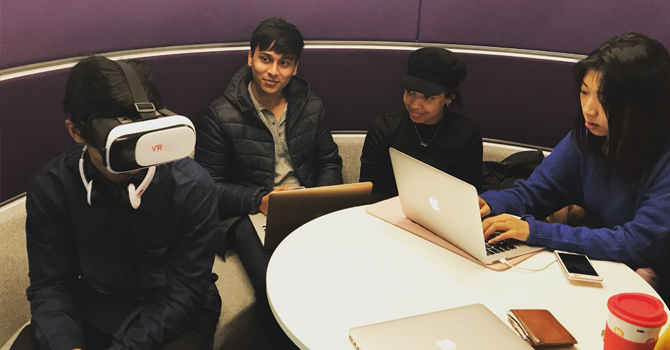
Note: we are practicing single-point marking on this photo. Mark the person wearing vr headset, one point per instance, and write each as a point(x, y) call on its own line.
point(426, 128)
point(120, 228)
point(268, 132)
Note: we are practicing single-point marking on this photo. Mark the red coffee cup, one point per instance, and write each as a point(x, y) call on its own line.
point(634, 323)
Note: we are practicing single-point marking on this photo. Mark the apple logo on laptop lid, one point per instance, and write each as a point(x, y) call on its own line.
point(446, 344)
point(433, 203)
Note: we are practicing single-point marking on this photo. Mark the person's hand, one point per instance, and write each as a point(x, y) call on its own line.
point(484, 208)
point(509, 226)
point(264, 201)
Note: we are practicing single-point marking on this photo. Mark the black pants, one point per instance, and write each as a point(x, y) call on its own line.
point(199, 337)
point(255, 260)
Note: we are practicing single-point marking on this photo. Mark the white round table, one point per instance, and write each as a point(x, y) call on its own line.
point(348, 269)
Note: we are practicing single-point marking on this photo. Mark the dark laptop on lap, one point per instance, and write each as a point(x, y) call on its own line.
point(288, 210)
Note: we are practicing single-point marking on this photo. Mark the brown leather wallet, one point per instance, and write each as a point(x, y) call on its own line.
point(539, 327)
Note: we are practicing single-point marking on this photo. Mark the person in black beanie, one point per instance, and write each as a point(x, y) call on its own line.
point(426, 128)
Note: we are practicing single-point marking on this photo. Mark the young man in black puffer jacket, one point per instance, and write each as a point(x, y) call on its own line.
point(268, 132)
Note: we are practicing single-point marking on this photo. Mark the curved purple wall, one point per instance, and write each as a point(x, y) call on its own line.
point(43, 30)
point(511, 98)
point(571, 26)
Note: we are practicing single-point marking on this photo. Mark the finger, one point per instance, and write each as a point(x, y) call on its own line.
point(501, 237)
point(507, 233)
point(484, 208)
point(493, 219)
point(495, 227)
point(500, 223)
point(486, 225)
point(490, 226)
point(500, 218)
point(513, 233)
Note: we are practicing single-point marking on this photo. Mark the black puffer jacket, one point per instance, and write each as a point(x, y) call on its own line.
point(237, 149)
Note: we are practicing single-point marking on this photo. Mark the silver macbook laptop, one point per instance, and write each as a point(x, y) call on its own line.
point(288, 210)
point(449, 208)
point(472, 327)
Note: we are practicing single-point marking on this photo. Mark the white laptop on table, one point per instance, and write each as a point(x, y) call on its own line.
point(449, 208)
point(472, 327)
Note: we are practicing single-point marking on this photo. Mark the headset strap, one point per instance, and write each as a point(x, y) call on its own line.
point(166, 112)
point(144, 107)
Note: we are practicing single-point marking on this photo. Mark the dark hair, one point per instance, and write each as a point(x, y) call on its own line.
point(458, 99)
point(98, 85)
point(634, 91)
point(279, 36)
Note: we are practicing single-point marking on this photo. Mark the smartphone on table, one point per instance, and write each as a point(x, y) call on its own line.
point(577, 267)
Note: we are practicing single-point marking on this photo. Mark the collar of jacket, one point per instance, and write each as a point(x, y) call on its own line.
point(296, 92)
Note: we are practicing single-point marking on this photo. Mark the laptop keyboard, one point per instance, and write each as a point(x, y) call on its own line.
point(498, 247)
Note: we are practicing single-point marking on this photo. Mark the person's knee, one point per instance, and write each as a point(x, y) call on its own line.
point(200, 337)
point(26, 340)
point(254, 258)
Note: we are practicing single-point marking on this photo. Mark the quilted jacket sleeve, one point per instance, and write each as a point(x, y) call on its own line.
point(214, 153)
point(328, 162)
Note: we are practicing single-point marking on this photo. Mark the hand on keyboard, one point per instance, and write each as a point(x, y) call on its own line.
point(509, 227)
point(498, 247)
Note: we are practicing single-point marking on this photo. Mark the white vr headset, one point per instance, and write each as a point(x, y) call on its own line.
point(128, 143)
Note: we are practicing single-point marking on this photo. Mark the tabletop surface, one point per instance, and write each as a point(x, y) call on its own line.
point(348, 269)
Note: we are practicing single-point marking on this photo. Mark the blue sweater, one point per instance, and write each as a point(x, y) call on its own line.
point(635, 227)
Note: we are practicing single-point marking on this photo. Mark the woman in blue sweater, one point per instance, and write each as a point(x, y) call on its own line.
point(615, 164)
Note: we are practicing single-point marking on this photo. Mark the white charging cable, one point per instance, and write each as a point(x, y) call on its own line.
point(504, 261)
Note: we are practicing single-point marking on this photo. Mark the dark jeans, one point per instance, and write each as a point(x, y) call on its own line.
point(255, 260)
point(199, 337)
